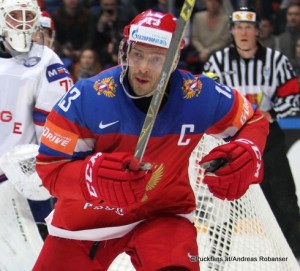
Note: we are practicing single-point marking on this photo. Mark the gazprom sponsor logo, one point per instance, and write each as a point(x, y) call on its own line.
point(150, 36)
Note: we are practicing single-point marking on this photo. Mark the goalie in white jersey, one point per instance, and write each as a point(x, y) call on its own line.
point(32, 79)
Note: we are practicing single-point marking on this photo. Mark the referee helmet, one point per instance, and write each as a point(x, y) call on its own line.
point(244, 14)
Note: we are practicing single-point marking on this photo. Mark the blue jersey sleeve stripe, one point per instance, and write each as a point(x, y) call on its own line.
point(39, 117)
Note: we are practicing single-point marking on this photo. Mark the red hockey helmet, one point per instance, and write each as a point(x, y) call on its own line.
point(152, 28)
point(46, 20)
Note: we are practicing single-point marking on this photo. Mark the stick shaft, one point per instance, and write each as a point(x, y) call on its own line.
point(167, 69)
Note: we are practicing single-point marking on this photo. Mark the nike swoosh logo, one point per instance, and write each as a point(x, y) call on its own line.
point(103, 126)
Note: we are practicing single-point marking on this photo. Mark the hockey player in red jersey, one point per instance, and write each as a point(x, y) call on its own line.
point(106, 205)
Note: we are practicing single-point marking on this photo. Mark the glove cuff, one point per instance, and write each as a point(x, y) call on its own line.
point(256, 157)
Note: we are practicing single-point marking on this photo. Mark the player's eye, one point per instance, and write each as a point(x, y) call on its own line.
point(157, 60)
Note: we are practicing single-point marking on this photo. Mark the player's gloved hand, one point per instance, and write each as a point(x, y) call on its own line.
point(108, 178)
point(244, 166)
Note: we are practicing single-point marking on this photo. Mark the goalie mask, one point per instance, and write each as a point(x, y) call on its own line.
point(19, 21)
point(151, 29)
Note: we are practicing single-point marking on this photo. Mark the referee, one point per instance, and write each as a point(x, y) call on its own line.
point(266, 78)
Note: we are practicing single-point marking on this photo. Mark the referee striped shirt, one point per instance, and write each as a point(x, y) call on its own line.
point(267, 79)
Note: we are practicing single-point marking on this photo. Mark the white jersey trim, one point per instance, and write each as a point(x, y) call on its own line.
point(100, 234)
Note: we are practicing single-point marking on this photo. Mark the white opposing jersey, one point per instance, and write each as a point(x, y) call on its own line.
point(27, 94)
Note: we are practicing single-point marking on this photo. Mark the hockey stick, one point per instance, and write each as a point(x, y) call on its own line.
point(214, 165)
point(167, 69)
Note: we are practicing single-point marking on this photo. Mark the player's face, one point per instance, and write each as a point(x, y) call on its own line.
point(145, 65)
point(20, 20)
point(48, 39)
point(245, 35)
point(44, 38)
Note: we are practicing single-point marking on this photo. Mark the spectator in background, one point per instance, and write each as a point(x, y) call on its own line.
point(74, 30)
point(209, 33)
point(227, 7)
point(280, 14)
point(51, 5)
point(110, 21)
point(87, 66)
point(266, 36)
point(287, 40)
point(163, 6)
point(96, 5)
point(296, 60)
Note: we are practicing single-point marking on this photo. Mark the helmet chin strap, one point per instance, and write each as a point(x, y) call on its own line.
point(122, 76)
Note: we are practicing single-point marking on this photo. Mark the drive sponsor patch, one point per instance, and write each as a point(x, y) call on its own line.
point(59, 139)
point(56, 71)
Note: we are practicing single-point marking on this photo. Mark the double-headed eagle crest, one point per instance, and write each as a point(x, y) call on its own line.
point(191, 88)
point(106, 86)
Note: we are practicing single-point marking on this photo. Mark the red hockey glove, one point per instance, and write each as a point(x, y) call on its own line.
point(108, 178)
point(244, 167)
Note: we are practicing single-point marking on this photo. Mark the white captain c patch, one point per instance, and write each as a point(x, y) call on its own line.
point(183, 139)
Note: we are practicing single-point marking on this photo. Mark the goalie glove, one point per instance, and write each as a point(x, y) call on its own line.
point(244, 166)
point(107, 178)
